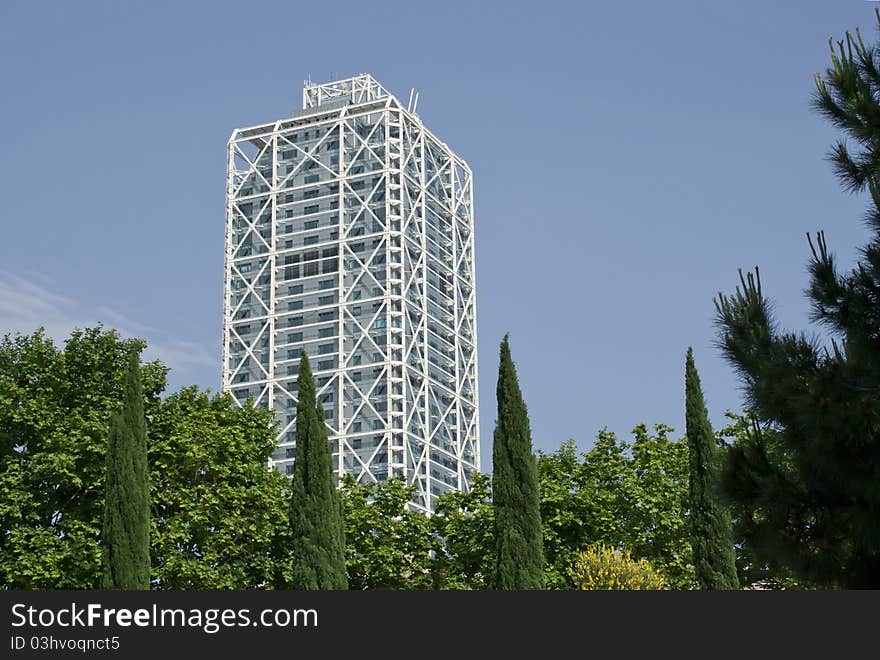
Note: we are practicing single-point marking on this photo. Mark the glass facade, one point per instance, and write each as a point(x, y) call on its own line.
point(349, 234)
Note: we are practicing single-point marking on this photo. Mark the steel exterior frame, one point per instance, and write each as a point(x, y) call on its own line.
point(349, 234)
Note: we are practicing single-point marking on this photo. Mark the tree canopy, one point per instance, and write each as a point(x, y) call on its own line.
point(810, 498)
point(218, 515)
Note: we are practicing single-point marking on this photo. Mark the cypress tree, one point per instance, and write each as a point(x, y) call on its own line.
point(318, 546)
point(519, 553)
point(711, 538)
point(126, 533)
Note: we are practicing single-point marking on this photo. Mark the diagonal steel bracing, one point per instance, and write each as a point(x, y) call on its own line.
point(349, 234)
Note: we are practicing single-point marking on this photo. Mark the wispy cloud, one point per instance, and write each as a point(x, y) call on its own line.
point(26, 304)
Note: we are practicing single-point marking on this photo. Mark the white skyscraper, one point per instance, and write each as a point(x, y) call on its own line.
point(350, 234)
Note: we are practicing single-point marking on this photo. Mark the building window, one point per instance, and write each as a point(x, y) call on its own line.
point(288, 469)
point(308, 210)
point(311, 178)
point(293, 290)
point(325, 364)
point(294, 336)
point(310, 240)
point(310, 224)
point(326, 300)
point(295, 304)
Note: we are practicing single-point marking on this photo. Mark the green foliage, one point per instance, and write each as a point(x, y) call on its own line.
point(811, 498)
point(317, 535)
point(626, 495)
point(55, 405)
point(387, 545)
point(519, 556)
point(754, 570)
point(604, 568)
point(581, 503)
point(658, 504)
point(125, 536)
point(464, 529)
point(219, 515)
point(711, 541)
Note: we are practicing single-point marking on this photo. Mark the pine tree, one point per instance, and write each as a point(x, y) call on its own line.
point(519, 554)
point(318, 545)
point(810, 491)
point(713, 555)
point(126, 533)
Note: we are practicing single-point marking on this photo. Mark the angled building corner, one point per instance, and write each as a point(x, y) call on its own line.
point(350, 234)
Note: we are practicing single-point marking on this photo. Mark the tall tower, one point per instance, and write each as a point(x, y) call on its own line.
point(350, 235)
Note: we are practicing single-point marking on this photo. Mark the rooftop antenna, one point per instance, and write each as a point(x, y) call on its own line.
point(415, 103)
point(412, 91)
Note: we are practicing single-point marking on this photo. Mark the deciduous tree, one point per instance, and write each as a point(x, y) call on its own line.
point(388, 546)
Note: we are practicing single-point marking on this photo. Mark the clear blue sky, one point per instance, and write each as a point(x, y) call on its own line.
point(628, 158)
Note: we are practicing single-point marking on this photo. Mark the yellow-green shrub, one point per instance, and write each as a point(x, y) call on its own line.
point(603, 567)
